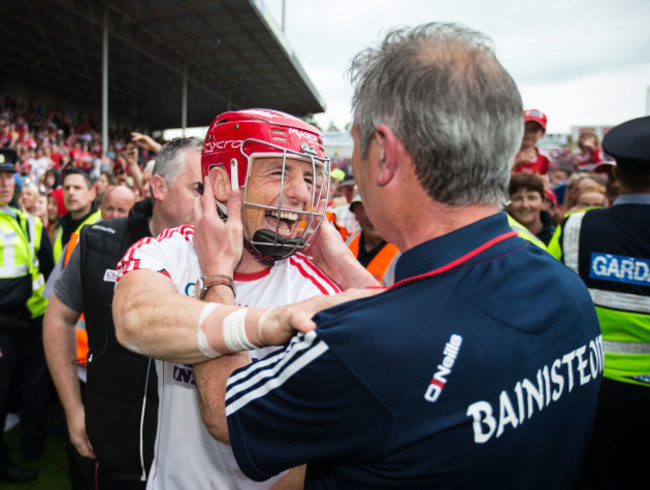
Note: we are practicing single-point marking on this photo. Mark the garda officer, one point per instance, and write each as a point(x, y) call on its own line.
point(610, 249)
point(25, 252)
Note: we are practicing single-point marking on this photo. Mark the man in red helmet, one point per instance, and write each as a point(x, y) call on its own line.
point(162, 307)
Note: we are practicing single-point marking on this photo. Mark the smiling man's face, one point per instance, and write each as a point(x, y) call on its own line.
point(264, 187)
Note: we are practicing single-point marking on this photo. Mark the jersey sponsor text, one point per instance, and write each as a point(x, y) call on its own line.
point(439, 380)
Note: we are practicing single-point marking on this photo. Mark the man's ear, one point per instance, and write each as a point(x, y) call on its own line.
point(388, 147)
point(158, 187)
point(220, 182)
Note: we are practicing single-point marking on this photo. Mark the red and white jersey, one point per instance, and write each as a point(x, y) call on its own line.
point(186, 455)
point(539, 166)
point(587, 160)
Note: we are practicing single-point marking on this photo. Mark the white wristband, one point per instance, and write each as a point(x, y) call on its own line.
point(234, 332)
point(201, 338)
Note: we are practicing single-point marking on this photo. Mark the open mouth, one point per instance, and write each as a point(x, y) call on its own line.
point(285, 222)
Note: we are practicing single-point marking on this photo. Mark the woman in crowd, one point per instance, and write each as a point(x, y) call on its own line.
point(53, 222)
point(579, 181)
point(590, 197)
point(27, 199)
point(527, 198)
point(40, 209)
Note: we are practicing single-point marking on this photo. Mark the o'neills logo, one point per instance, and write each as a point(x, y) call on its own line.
point(304, 134)
point(439, 380)
point(211, 146)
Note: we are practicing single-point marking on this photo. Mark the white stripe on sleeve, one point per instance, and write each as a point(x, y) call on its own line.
point(295, 357)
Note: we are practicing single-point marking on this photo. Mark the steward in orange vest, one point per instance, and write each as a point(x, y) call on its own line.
point(370, 249)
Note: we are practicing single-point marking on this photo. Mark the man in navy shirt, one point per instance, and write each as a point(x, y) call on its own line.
point(481, 366)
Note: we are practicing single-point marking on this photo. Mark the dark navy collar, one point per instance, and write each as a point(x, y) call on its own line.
point(632, 199)
point(445, 249)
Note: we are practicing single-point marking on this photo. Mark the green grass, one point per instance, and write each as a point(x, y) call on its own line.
point(51, 475)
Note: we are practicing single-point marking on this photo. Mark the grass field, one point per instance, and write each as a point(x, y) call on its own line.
point(52, 475)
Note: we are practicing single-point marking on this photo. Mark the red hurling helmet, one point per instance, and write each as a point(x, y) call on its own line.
point(236, 139)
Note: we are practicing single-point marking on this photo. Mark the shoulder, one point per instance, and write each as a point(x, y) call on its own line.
point(303, 268)
point(170, 238)
point(105, 229)
point(21, 214)
point(93, 218)
point(184, 233)
point(172, 247)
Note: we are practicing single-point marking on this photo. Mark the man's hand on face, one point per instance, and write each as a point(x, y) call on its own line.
point(218, 244)
point(329, 253)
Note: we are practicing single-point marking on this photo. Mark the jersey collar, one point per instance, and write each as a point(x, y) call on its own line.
point(632, 199)
point(445, 249)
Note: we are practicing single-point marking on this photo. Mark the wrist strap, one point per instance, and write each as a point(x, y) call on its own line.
point(219, 280)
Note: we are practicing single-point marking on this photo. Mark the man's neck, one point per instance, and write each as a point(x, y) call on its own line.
point(155, 227)
point(370, 243)
point(623, 189)
point(528, 148)
point(441, 219)
point(537, 225)
point(248, 264)
point(80, 214)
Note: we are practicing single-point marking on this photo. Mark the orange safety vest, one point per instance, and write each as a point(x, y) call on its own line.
point(380, 262)
point(80, 328)
point(331, 217)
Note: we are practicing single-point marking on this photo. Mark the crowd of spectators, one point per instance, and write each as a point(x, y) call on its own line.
point(547, 185)
point(48, 142)
point(46, 146)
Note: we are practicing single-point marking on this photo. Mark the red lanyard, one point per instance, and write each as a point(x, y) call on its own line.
point(459, 260)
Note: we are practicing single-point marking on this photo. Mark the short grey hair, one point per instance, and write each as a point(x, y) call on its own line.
point(170, 161)
point(456, 110)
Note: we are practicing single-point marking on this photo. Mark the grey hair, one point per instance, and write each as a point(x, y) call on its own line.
point(456, 110)
point(170, 161)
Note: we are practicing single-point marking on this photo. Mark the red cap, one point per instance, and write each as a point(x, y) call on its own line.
point(603, 167)
point(550, 195)
point(535, 115)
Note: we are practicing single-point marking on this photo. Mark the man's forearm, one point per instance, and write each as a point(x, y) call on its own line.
point(211, 378)
point(151, 318)
point(60, 344)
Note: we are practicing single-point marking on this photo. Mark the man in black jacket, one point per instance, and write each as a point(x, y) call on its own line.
point(116, 421)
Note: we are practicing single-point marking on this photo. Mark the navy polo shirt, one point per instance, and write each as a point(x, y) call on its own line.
point(484, 374)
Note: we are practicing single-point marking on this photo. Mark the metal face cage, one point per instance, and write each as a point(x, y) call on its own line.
point(270, 242)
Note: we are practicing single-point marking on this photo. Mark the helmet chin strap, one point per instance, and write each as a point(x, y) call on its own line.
point(269, 247)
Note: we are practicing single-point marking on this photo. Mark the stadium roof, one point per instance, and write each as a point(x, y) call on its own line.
point(232, 53)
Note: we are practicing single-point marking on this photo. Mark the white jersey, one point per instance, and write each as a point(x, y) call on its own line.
point(185, 454)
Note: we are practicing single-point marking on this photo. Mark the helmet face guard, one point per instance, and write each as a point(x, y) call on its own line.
point(280, 136)
point(270, 242)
